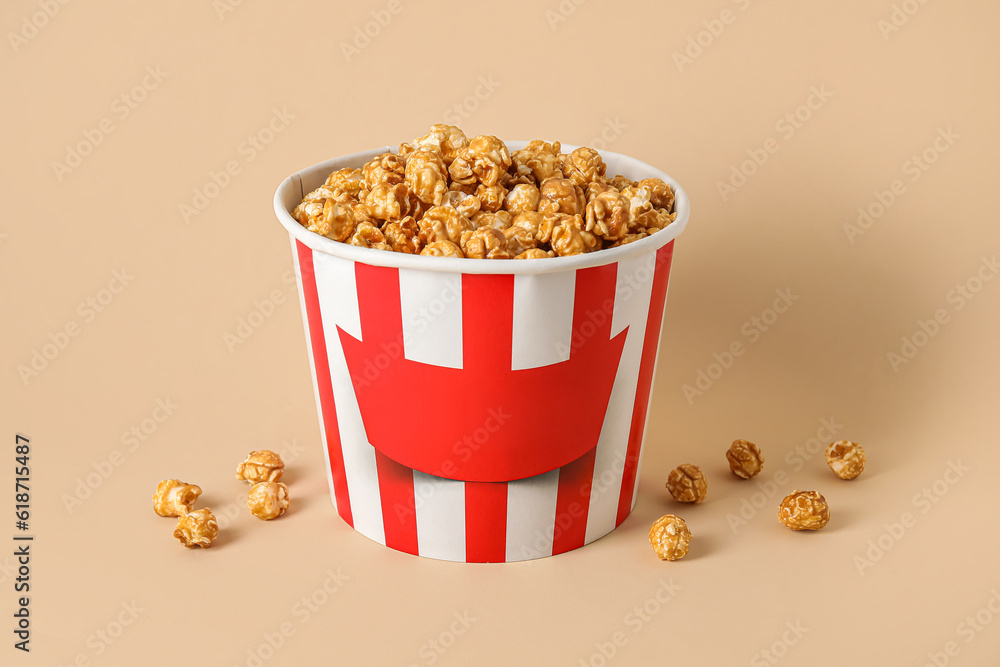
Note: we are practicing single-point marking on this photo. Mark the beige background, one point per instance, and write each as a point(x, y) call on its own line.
point(607, 65)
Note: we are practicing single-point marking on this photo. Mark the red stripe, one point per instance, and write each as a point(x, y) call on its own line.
point(485, 522)
point(650, 345)
point(324, 385)
point(573, 503)
point(399, 517)
point(381, 317)
point(593, 307)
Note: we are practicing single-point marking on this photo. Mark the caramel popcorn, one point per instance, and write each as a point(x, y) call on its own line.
point(846, 459)
point(538, 161)
point(485, 243)
point(660, 194)
point(386, 168)
point(687, 484)
point(804, 510)
point(197, 529)
point(442, 249)
point(584, 165)
point(608, 215)
point(491, 197)
point(485, 159)
point(670, 537)
point(261, 465)
point(443, 223)
point(745, 459)
point(535, 253)
point(403, 236)
point(174, 497)
point(447, 140)
point(351, 181)
point(561, 195)
point(570, 238)
point(388, 202)
point(367, 235)
point(440, 187)
point(500, 220)
point(467, 204)
point(426, 176)
point(522, 198)
point(268, 500)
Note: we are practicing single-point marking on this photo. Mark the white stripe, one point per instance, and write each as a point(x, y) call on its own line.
point(312, 370)
point(440, 506)
point(337, 290)
point(432, 317)
point(632, 295)
point(543, 319)
point(531, 516)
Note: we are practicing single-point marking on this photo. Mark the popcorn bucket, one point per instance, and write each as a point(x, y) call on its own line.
point(481, 410)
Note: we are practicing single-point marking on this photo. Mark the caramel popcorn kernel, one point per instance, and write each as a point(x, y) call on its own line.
point(804, 510)
point(687, 484)
point(670, 537)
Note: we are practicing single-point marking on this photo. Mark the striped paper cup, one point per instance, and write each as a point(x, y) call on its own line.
point(481, 410)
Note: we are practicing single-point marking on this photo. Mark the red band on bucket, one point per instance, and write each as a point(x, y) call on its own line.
point(399, 518)
point(324, 386)
point(649, 349)
point(485, 522)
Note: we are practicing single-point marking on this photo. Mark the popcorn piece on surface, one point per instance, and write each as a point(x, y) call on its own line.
point(687, 484)
point(670, 537)
point(442, 249)
point(745, 459)
point(804, 510)
point(197, 529)
point(261, 465)
point(485, 243)
point(847, 459)
point(174, 497)
point(268, 500)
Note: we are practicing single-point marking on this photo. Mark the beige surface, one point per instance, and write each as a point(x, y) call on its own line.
point(162, 337)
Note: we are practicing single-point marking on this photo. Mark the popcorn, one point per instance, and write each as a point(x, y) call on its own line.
point(745, 459)
point(522, 198)
point(438, 189)
point(174, 497)
point(847, 459)
point(804, 510)
point(687, 484)
point(485, 243)
point(197, 529)
point(670, 537)
point(426, 176)
point(268, 500)
point(261, 465)
point(442, 249)
point(561, 195)
point(443, 223)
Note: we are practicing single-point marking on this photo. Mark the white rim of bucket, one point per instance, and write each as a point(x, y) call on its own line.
point(295, 187)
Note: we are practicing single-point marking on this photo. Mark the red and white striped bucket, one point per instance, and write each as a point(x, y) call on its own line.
point(481, 410)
